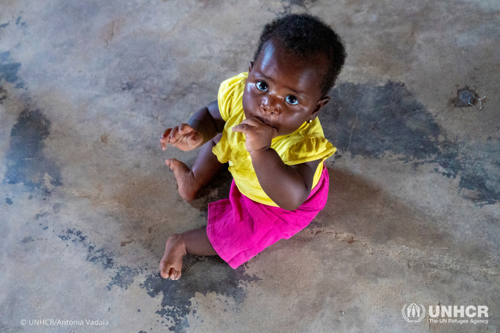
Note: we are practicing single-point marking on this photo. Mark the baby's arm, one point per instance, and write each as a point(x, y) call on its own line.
point(288, 186)
point(201, 127)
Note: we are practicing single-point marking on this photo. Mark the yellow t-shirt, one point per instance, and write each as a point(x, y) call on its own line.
point(306, 144)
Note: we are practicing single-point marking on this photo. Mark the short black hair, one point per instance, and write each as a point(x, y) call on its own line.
point(306, 35)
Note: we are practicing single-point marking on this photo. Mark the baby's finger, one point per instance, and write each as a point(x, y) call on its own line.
point(254, 121)
point(166, 133)
point(243, 128)
point(193, 138)
point(182, 128)
point(165, 138)
point(174, 135)
point(185, 128)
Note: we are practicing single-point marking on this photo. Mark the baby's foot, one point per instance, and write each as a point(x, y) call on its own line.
point(187, 185)
point(171, 263)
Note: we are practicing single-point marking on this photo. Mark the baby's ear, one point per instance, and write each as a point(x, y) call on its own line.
point(321, 103)
point(250, 66)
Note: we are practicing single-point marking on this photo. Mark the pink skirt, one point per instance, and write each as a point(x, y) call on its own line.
point(239, 228)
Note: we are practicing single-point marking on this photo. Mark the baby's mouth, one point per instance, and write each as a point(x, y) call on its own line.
point(267, 122)
point(264, 120)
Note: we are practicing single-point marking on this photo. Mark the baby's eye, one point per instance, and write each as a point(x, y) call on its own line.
point(261, 85)
point(290, 99)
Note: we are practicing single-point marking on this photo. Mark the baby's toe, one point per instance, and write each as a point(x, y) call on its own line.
point(164, 272)
point(175, 275)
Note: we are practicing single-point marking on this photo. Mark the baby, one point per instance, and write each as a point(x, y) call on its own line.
point(264, 125)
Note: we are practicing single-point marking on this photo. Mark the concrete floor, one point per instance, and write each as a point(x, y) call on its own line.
point(86, 90)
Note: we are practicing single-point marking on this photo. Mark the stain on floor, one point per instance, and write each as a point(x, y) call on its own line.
point(3, 95)
point(200, 274)
point(373, 121)
point(26, 162)
point(123, 275)
point(377, 121)
point(9, 70)
point(479, 166)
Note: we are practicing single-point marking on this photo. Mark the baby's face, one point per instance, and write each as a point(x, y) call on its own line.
point(283, 90)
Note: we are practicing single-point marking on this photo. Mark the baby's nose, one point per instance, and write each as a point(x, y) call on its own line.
point(270, 105)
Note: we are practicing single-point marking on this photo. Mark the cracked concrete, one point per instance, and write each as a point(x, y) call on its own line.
point(87, 88)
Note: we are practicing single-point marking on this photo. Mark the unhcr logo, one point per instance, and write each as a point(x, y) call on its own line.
point(446, 314)
point(413, 313)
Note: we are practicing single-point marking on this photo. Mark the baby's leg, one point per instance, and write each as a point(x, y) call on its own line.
point(206, 166)
point(190, 242)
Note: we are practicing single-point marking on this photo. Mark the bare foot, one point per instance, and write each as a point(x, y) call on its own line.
point(187, 185)
point(171, 263)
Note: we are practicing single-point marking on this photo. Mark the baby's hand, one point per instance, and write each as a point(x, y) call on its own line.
point(183, 137)
point(258, 134)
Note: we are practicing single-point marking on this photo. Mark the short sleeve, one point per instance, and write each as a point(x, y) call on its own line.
point(308, 149)
point(229, 91)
